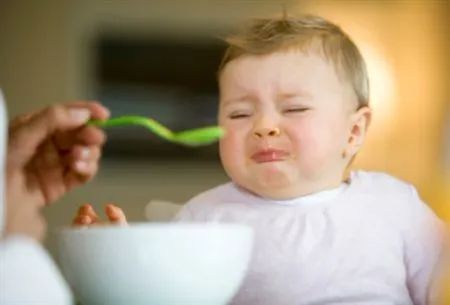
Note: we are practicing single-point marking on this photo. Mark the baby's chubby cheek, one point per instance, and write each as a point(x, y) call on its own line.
point(232, 151)
point(308, 147)
point(317, 149)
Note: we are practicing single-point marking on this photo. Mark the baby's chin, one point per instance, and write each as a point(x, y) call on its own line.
point(274, 185)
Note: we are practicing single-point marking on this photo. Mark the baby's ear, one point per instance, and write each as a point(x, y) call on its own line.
point(360, 122)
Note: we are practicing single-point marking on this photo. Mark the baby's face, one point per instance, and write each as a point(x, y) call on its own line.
point(288, 119)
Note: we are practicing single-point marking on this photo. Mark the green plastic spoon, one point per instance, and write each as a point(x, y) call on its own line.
point(191, 137)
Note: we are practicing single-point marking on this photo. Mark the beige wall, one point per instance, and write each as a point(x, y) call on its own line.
point(406, 137)
point(45, 57)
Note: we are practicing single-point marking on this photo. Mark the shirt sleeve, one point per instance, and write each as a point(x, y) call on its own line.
point(29, 276)
point(196, 209)
point(424, 245)
point(183, 215)
point(192, 211)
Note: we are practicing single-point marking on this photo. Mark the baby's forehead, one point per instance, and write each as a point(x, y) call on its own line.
point(290, 61)
point(290, 68)
point(289, 71)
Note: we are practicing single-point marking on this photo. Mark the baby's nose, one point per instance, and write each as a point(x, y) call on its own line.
point(267, 132)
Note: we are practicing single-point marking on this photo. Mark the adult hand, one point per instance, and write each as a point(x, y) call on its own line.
point(50, 152)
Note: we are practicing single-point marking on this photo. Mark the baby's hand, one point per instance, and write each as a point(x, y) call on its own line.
point(87, 216)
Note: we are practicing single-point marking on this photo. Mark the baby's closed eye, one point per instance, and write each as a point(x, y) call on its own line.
point(239, 115)
point(295, 109)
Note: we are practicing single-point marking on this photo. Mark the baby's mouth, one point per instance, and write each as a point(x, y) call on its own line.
point(269, 155)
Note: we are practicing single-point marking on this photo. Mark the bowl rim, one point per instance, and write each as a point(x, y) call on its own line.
point(139, 226)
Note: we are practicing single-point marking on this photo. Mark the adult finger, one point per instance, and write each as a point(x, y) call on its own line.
point(26, 138)
point(49, 171)
point(73, 178)
point(20, 120)
point(98, 111)
point(83, 171)
point(87, 135)
point(82, 165)
point(85, 153)
point(30, 130)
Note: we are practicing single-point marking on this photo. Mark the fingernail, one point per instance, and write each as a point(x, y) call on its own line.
point(107, 112)
point(85, 152)
point(81, 166)
point(80, 115)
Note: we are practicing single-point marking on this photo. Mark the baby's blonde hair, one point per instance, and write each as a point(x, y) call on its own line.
point(265, 36)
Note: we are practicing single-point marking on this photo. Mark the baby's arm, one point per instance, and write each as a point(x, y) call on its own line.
point(424, 240)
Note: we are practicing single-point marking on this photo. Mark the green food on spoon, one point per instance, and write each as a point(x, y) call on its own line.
point(191, 137)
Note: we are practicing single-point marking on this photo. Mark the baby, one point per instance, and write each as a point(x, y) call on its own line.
point(294, 99)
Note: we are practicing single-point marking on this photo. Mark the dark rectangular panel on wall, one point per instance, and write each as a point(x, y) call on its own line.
point(172, 81)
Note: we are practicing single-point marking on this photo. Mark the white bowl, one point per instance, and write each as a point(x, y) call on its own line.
point(162, 264)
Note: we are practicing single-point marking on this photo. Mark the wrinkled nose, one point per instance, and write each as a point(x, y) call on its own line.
point(266, 125)
point(267, 132)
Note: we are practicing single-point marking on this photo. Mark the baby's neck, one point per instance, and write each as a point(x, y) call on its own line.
point(298, 192)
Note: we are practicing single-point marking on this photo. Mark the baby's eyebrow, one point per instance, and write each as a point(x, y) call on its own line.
point(289, 95)
point(239, 99)
point(248, 98)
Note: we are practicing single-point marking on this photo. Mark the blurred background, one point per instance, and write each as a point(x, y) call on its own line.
point(158, 58)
